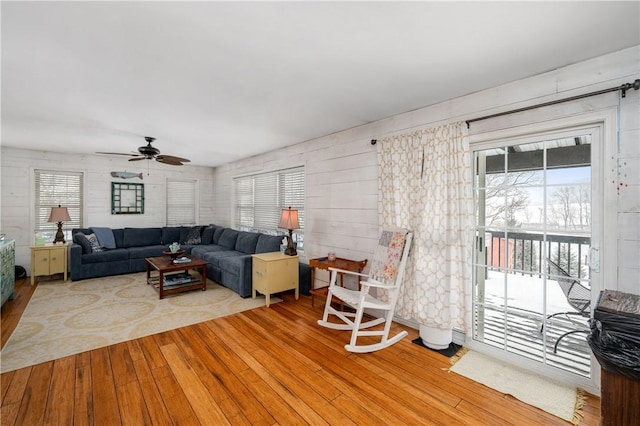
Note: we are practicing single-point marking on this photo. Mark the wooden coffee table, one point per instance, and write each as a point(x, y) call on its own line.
point(174, 278)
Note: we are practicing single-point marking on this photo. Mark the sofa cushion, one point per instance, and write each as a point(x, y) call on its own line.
point(170, 235)
point(146, 251)
point(138, 237)
point(233, 264)
point(201, 250)
point(118, 235)
point(106, 256)
point(246, 242)
point(228, 238)
point(80, 239)
point(268, 243)
point(207, 234)
point(190, 235)
point(217, 258)
point(216, 234)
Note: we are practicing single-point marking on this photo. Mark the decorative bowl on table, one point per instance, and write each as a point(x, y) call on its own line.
point(173, 254)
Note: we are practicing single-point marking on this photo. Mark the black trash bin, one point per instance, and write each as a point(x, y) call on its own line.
point(20, 272)
point(615, 342)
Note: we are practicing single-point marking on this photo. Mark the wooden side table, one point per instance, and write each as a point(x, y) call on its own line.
point(49, 259)
point(325, 263)
point(273, 273)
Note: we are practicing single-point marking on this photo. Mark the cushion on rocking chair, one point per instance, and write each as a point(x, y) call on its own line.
point(386, 258)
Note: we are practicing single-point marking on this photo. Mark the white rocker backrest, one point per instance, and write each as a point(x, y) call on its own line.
point(390, 255)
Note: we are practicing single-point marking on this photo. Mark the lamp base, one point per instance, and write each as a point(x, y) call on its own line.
point(290, 250)
point(59, 235)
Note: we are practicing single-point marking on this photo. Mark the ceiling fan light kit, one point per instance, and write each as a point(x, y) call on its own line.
point(149, 152)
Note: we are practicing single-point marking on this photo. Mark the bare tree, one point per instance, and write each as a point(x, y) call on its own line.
point(571, 207)
point(505, 197)
point(562, 207)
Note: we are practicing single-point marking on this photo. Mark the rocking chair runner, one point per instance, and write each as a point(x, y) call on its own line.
point(387, 272)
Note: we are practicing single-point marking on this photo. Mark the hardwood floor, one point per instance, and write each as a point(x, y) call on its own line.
point(266, 366)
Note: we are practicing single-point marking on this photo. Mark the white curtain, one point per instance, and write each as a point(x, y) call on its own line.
point(424, 184)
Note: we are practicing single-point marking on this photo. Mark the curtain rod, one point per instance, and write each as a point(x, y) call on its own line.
point(623, 88)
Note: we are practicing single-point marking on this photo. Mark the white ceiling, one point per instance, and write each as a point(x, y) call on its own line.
point(219, 81)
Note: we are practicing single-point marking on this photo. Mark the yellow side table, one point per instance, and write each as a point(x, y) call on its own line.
point(273, 273)
point(49, 259)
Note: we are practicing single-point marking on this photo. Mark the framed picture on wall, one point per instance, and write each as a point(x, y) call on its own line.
point(127, 198)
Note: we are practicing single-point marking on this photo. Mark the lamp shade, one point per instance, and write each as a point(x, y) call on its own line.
point(289, 219)
point(59, 214)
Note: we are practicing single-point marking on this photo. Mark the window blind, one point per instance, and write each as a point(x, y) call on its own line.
point(260, 198)
point(53, 188)
point(181, 202)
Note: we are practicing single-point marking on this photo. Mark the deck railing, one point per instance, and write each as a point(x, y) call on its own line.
point(522, 252)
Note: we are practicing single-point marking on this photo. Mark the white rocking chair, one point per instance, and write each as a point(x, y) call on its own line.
point(387, 272)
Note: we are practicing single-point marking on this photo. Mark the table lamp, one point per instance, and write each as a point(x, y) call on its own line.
point(289, 220)
point(59, 214)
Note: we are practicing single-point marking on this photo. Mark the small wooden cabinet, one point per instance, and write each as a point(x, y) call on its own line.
point(7, 269)
point(273, 273)
point(338, 263)
point(48, 259)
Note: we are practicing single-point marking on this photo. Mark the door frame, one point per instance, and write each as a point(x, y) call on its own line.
point(553, 120)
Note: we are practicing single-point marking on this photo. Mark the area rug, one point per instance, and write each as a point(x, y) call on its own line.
point(560, 400)
point(66, 318)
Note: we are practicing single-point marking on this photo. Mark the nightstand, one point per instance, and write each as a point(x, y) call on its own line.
point(48, 259)
point(273, 273)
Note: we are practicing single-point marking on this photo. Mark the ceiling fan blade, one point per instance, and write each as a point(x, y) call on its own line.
point(118, 153)
point(169, 161)
point(137, 158)
point(172, 158)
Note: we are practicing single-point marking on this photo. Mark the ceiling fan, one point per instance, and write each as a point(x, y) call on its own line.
point(148, 152)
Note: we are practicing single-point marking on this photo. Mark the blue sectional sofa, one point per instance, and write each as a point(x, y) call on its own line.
point(226, 251)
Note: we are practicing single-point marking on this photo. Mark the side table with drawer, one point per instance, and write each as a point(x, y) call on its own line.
point(339, 263)
point(273, 273)
point(49, 259)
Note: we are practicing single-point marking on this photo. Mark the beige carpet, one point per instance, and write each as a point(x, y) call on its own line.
point(560, 400)
point(66, 318)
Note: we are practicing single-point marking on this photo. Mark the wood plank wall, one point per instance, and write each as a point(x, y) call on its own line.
point(341, 208)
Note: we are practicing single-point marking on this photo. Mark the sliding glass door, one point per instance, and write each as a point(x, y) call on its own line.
point(534, 239)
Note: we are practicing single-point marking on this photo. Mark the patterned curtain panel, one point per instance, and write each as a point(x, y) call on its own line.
point(424, 183)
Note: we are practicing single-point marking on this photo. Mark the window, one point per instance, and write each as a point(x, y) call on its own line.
point(53, 188)
point(181, 202)
point(260, 199)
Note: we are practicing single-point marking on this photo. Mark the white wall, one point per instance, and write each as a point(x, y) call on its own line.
point(18, 191)
point(341, 206)
point(629, 195)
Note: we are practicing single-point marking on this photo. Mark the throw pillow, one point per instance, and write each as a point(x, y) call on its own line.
point(105, 237)
point(207, 235)
point(95, 244)
point(80, 239)
point(192, 236)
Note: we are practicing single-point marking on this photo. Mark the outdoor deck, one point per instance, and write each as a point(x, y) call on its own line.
point(518, 292)
point(523, 337)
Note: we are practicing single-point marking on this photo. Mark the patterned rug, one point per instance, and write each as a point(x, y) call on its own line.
point(554, 398)
point(66, 318)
